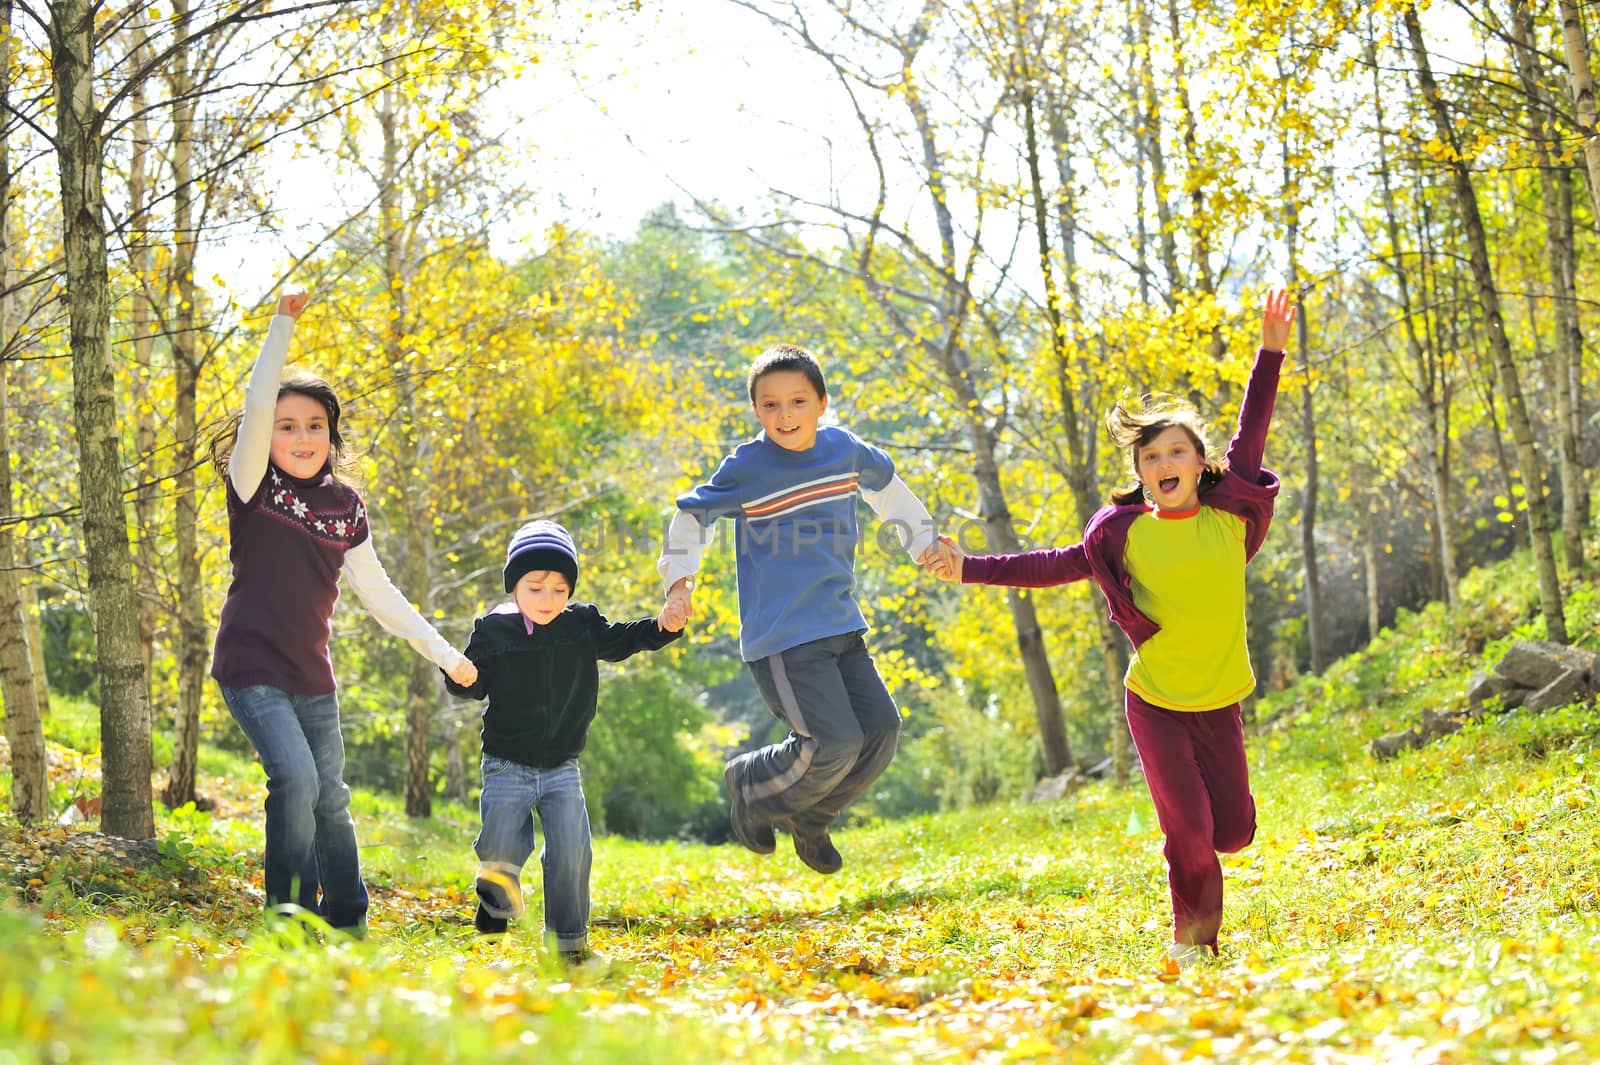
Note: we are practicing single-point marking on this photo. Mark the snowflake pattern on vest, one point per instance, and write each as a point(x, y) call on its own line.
point(344, 526)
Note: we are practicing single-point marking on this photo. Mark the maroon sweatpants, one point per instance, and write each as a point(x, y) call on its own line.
point(1194, 765)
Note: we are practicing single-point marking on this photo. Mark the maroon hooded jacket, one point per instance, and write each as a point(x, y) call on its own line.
point(1247, 491)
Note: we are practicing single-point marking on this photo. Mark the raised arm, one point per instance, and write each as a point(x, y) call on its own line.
point(395, 613)
point(1249, 442)
point(247, 464)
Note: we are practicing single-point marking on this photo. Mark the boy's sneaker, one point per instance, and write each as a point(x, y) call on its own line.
point(746, 829)
point(818, 851)
point(497, 894)
point(487, 924)
point(581, 957)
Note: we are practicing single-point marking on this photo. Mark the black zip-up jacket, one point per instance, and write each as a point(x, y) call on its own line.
point(542, 685)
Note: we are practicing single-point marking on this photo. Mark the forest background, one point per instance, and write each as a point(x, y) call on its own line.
point(990, 220)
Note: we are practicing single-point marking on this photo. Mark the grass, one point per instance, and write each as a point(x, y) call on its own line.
point(1444, 906)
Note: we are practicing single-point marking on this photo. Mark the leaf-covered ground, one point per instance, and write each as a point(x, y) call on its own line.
point(1443, 907)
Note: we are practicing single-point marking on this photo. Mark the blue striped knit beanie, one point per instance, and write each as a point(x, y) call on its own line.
point(541, 544)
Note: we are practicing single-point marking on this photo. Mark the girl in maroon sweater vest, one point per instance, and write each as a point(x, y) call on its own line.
point(1169, 557)
point(294, 529)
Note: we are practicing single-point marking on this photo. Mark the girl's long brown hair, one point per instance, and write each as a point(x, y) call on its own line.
point(341, 457)
point(1157, 412)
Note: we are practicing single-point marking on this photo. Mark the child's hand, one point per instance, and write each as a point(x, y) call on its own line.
point(1276, 318)
point(465, 673)
point(680, 601)
point(293, 304)
point(672, 617)
point(948, 562)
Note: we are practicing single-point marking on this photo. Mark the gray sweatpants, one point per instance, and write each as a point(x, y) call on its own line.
point(843, 730)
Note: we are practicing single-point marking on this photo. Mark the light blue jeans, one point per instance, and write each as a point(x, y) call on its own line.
point(310, 835)
point(512, 792)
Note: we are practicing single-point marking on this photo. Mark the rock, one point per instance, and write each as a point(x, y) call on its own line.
point(1436, 725)
point(1481, 686)
point(1559, 692)
point(1386, 747)
point(1096, 770)
point(1053, 789)
point(1536, 663)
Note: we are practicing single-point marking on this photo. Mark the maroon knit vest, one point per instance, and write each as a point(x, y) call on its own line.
point(287, 546)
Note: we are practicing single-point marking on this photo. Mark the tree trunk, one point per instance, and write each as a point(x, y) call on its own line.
point(29, 595)
point(1558, 258)
point(1576, 45)
point(992, 505)
point(1308, 426)
point(1141, 238)
point(1431, 382)
point(1569, 299)
point(30, 786)
point(949, 352)
point(422, 679)
point(1113, 645)
point(144, 415)
point(124, 707)
point(1080, 450)
point(1489, 299)
point(455, 762)
point(193, 643)
point(1370, 552)
point(1199, 225)
point(1150, 143)
point(30, 790)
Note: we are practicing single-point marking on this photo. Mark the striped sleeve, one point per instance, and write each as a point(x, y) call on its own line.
point(717, 498)
point(877, 468)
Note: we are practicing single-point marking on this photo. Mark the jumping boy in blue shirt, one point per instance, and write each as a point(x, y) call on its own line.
point(792, 493)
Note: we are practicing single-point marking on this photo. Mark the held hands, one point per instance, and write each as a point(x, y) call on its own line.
point(678, 609)
point(293, 303)
point(944, 560)
point(672, 617)
point(465, 673)
point(1276, 317)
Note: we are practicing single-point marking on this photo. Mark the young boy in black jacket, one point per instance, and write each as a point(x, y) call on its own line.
point(536, 664)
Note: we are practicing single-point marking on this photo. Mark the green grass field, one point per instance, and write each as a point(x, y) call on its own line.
point(1442, 907)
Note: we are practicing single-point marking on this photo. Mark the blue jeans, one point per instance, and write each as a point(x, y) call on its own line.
point(310, 836)
point(512, 792)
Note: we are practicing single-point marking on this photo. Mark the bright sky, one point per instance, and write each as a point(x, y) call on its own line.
point(703, 94)
point(698, 97)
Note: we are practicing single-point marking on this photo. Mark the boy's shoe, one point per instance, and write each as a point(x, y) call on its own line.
point(354, 931)
point(746, 829)
point(497, 894)
point(577, 957)
point(487, 924)
point(818, 852)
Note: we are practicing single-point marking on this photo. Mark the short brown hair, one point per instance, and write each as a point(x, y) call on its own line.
point(782, 357)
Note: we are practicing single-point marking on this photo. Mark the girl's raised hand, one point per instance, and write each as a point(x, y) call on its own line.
point(293, 303)
point(1276, 318)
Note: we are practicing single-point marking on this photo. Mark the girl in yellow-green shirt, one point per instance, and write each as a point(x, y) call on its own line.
point(1169, 556)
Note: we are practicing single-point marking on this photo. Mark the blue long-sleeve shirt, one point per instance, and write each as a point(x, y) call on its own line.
point(795, 533)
